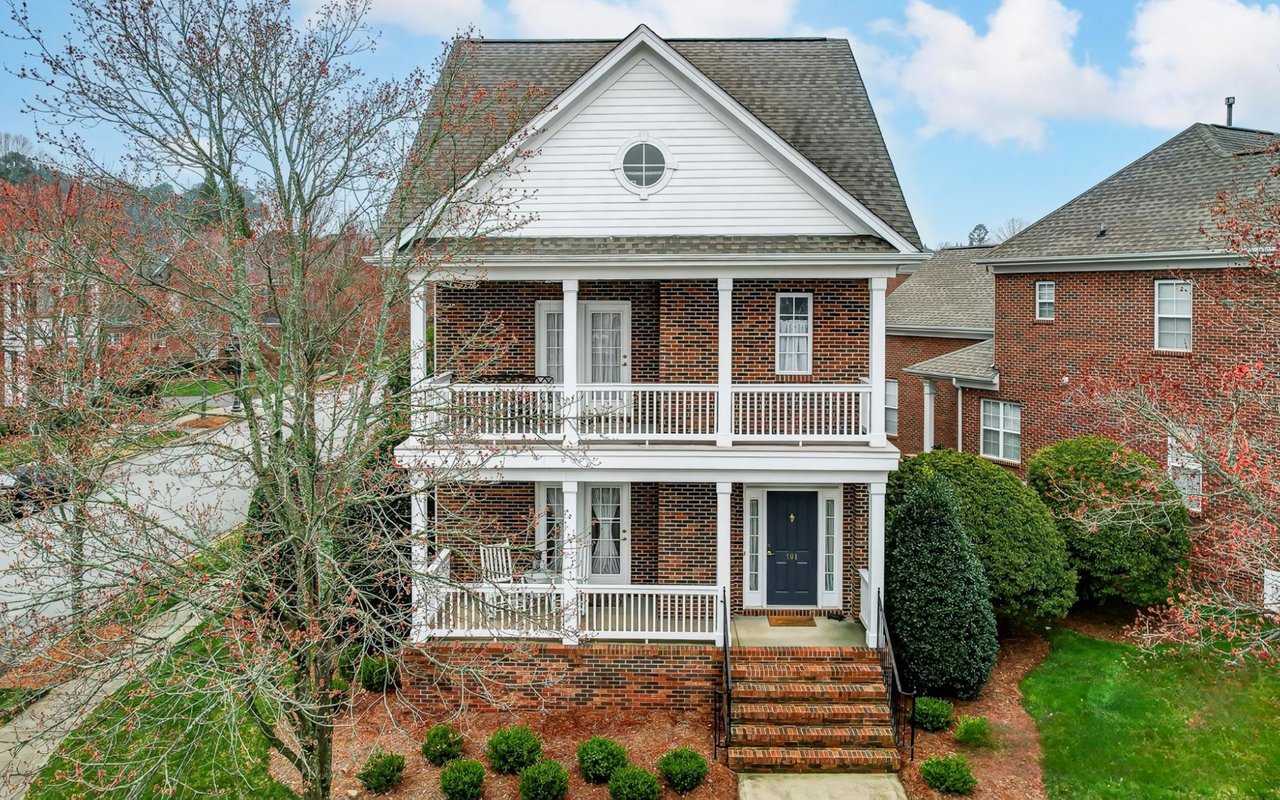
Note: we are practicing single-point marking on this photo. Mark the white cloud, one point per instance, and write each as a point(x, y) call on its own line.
point(1003, 84)
point(668, 18)
point(1189, 54)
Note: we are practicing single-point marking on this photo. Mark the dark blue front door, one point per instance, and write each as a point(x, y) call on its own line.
point(792, 555)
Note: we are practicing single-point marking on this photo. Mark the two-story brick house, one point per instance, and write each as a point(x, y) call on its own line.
point(678, 421)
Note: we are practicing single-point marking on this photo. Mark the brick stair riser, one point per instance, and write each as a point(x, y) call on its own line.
point(808, 693)
point(807, 759)
point(808, 673)
point(822, 714)
point(764, 735)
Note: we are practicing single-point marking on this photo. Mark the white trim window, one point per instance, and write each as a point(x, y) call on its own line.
point(793, 321)
point(1002, 430)
point(1046, 300)
point(549, 336)
point(891, 407)
point(1173, 316)
point(550, 525)
point(1271, 589)
point(1187, 473)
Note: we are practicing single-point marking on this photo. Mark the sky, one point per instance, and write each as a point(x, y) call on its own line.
point(992, 109)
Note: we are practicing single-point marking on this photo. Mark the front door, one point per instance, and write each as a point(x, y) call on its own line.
point(792, 556)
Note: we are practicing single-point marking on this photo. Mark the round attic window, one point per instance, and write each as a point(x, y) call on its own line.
point(643, 165)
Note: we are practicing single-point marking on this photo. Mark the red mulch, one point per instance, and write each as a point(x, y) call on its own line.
point(1011, 772)
point(211, 421)
point(1107, 622)
point(386, 722)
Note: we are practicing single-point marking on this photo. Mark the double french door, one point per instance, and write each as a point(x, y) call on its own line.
point(604, 342)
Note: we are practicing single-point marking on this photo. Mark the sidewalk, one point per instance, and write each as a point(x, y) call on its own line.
point(31, 738)
point(820, 787)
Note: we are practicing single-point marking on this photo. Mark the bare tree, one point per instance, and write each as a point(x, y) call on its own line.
point(307, 290)
point(1009, 228)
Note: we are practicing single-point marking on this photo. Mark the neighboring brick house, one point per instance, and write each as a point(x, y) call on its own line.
point(676, 417)
point(1119, 282)
point(945, 306)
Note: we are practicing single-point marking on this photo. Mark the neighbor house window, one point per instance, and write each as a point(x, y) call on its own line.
point(794, 324)
point(891, 408)
point(550, 340)
point(1173, 315)
point(1002, 430)
point(1046, 299)
point(551, 521)
point(1271, 589)
point(115, 339)
point(1187, 474)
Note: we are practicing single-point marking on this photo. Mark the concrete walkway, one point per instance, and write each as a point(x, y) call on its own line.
point(32, 737)
point(757, 632)
point(820, 787)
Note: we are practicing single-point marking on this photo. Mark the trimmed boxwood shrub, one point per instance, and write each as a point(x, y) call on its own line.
point(462, 780)
point(381, 772)
point(546, 780)
point(936, 597)
point(949, 774)
point(599, 758)
point(379, 674)
point(932, 714)
point(1123, 520)
point(1022, 552)
point(442, 744)
point(513, 749)
point(632, 783)
point(974, 732)
point(684, 769)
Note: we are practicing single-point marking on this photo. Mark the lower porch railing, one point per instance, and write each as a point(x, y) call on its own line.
point(902, 703)
point(546, 611)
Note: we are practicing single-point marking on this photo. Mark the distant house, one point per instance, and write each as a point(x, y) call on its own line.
point(681, 428)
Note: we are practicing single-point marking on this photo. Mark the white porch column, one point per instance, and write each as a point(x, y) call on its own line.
point(873, 586)
point(724, 544)
point(420, 558)
point(570, 353)
point(418, 367)
point(724, 365)
point(929, 392)
point(570, 556)
point(876, 362)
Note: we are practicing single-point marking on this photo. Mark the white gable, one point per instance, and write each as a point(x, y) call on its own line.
point(723, 184)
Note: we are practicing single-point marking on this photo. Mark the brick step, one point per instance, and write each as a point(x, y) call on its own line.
point(803, 655)
point(778, 671)
point(812, 759)
point(808, 692)
point(810, 713)
point(766, 735)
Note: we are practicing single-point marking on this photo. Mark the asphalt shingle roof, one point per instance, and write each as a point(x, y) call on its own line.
point(948, 292)
point(973, 363)
point(1157, 204)
point(593, 245)
point(808, 91)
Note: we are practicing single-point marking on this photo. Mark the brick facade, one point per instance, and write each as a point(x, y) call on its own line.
point(549, 676)
point(902, 352)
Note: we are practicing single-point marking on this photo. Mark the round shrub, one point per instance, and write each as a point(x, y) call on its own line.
point(379, 674)
point(974, 732)
point(948, 774)
point(381, 772)
point(546, 780)
point(462, 780)
point(684, 769)
point(513, 749)
point(1022, 552)
point(442, 744)
point(1124, 521)
point(632, 783)
point(599, 758)
point(936, 597)
point(932, 714)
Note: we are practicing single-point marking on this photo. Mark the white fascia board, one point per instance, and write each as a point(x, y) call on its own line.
point(977, 334)
point(1119, 262)
point(594, 81)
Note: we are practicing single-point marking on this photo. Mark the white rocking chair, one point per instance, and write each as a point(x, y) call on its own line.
point(496, 565)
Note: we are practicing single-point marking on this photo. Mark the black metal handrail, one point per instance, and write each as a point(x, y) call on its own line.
point(723, 708)
point(902, 703)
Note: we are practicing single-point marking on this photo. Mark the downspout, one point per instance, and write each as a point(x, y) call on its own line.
point(959, 416)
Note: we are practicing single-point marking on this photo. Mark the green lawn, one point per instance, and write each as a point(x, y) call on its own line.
point(184, 742)
point(210, 386)
point(1115, 723)
point(15, 453)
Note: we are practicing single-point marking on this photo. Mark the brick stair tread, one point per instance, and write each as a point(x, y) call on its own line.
point(812, 692)
point(764, 734)
point(816, 713)
point(813, 759)
point(803, 655)
point(778, 671)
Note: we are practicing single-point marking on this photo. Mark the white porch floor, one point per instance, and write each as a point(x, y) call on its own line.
point(757, 632)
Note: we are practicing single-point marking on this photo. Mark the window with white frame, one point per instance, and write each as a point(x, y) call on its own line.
point(1046, 299)
point(829, 546)
point(1002, 430)
point(753, 545)
point(794, 324)
point(115, 339)
point(891, 408)
point(1271, 589)
point(550, 523)
point(1187, 474)
point(1173, 315)
point(550, 340)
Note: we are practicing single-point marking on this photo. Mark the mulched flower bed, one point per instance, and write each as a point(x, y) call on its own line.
point(387, 722)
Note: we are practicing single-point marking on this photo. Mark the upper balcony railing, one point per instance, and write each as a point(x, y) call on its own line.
point(646, 412)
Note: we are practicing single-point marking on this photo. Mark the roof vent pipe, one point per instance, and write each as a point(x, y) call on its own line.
point(1231, 101)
